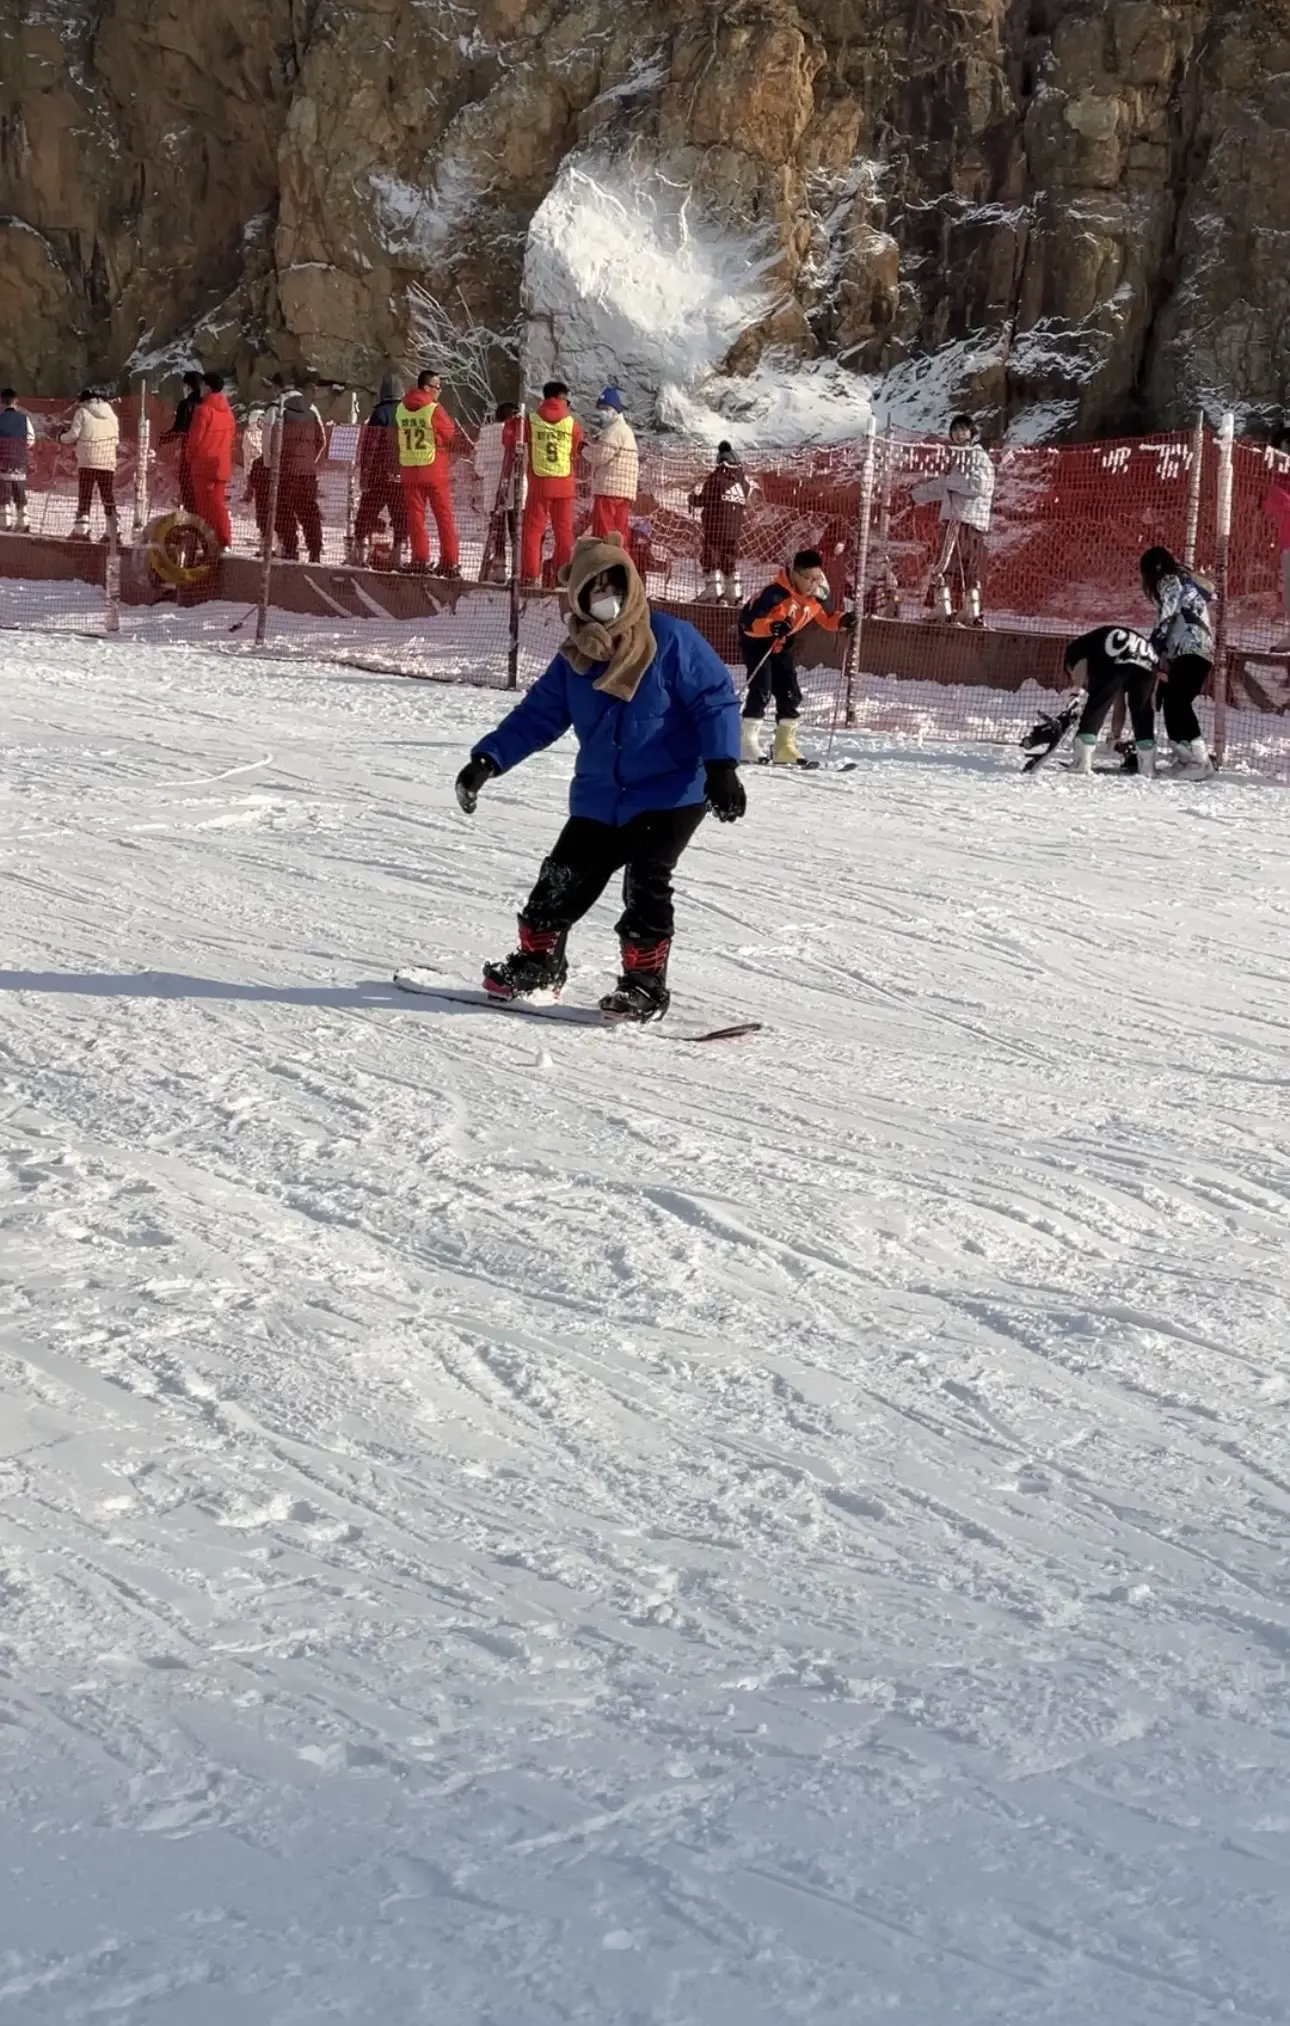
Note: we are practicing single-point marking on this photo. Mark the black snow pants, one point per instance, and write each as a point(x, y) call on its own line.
point(1187, 678)
point(1137, 685)
point(585, 857)
point(776, 676)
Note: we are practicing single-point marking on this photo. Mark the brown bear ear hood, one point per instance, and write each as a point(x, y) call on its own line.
point(626, 644)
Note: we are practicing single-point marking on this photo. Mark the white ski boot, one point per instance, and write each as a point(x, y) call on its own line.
point(711, 592)
point(6, 518)
point(1082, 759)
point(1146, 752)
point(80, 529)
point(749, 741)
point(785, 752)
point(1192, 760)
point(734, 591)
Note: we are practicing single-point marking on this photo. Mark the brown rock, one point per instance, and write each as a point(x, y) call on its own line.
point(1093, 190)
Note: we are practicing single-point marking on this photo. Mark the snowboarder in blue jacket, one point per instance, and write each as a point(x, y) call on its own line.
point(657, 722)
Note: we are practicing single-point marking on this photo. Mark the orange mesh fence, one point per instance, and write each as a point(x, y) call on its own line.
point(1256, 662)
point(964, 630)
point(1066, 527)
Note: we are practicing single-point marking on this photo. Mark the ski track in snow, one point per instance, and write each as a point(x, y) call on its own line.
point(508, 1525)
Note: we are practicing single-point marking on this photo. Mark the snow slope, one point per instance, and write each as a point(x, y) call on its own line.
point(507, 1525)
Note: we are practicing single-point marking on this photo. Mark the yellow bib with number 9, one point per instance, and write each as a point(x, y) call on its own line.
point(551, 447)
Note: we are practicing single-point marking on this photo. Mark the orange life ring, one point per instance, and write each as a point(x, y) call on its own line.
point(181, 549)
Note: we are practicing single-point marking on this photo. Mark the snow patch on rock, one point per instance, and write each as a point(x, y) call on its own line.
point(625, 281)
point(418, 224)
point(628, 281)
point(783, 401)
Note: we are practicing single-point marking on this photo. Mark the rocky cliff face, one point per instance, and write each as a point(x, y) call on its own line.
point(1086, 198)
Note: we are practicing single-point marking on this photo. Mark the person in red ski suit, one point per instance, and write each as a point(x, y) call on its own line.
point(554, 440)
point(425, 432)
point(212, 435)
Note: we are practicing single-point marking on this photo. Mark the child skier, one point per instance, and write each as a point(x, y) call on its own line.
point(722, 501)
point(1110, 662)
point(657, 723)
point(768, 625)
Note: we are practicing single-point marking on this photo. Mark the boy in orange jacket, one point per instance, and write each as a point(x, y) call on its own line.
point(768, 626)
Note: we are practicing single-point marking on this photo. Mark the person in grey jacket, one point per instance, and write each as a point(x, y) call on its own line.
point(1183, 640)
point(965, 494)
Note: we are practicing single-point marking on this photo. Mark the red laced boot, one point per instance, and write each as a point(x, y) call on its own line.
point(537, 966)
point(641, 992)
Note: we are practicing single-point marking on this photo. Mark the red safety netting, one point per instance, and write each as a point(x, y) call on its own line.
point(966, 635)
point(1066, 527)
point(1257, 612)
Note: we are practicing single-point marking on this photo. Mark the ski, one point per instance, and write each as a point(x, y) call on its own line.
point(809, 766)
point(427, 986)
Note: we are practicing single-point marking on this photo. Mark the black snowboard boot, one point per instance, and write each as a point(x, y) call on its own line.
point(641, 992)
point(537, 966)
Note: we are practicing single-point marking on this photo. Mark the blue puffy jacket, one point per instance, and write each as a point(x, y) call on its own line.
point(646, 754)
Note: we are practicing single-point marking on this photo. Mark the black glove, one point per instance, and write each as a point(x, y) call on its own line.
point(847, 623)
point(478, 769)
point(726, 797)
point(781, 629)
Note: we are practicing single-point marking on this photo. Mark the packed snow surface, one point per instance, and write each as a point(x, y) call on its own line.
point(511, 1523)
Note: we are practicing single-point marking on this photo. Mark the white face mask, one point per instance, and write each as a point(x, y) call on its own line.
point(605, 607)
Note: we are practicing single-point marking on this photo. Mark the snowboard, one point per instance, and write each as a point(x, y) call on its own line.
point(427, 986)
point(1043, 740)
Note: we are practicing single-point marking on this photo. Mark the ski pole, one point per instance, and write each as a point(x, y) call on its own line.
point(782, 642)
point(754, 673)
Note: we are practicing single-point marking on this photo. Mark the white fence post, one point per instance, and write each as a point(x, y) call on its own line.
point(1223, 528)
point(275, 486)
point(1194, 479)
point(351, 479)
point(112, 577)
point(143, 451)
point(861, 567)
point(518, 495)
